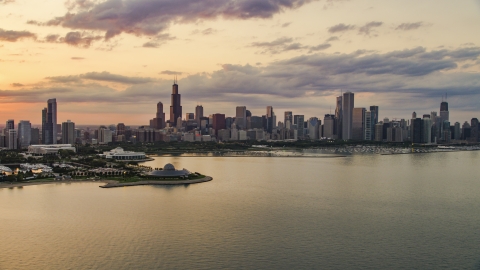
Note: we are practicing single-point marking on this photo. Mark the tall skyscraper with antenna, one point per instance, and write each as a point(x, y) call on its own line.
point(176, 107)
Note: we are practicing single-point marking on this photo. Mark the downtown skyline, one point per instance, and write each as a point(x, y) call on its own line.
point(292, 55)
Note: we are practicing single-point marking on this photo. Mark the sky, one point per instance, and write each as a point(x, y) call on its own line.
point(111, 61)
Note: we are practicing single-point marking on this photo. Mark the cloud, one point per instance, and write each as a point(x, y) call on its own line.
point(13, 36)
point(287, 24)
point(418, 75)
point(330, 39)
point(208, 31)
point(4, 2)
point(340, 28)
point(367, 28)
point(409, 26)
point(320, 47)
point(16, 85)
point(158, 41)
point(151, 17)
point(170, 72)
point(79, 39)
point(77, 58)
point(52, 38)
point(100, 76)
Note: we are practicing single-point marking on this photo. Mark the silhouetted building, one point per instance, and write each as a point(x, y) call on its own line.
point(375, 118)
point(24, 134)
point(474, 130)
point(270, 119)
point(348, 103)
point(339, 117)
point(358, 124)
point(120, 129)
point(198, 114)
point(416, 130)
point(50, 130)
point(218, 122)
point(68, 132)
point(241, 117)
point(329, 126)
point(176, 107)
point(298, 121)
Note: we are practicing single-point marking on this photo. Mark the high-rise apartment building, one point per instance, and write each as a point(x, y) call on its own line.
point(369, 129)
point(24, 134)
point(12, 139)
point(474, 130)
point(189, 116)
point(358, 124)
point(241, 117)
point(348, 103)
point(176, 105)
point(68, 132)
point(427, 129)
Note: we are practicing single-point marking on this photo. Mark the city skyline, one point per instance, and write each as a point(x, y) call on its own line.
point(293, 55)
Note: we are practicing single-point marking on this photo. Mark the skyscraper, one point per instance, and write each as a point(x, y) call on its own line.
point(176, 107)
point(375, 118)
point(24, 133)
point(358, 124)
point(44, 125)
point(12, 139)
point(68, 132)
point(329, 126)
point(51, 122)
point(270, 119)
point(241, 117)
point(120, 129)
point(189, 116)
point(300, 123)
point(444, 113)
point(288, 120)
point(198, 114)
point(218, 122)
point(338, 118)
point(347, 119)
point(369, 129)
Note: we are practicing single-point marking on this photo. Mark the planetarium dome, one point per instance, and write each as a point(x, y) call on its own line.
point(169, 167)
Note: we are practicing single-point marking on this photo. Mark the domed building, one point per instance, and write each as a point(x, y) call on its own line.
point(168, 171)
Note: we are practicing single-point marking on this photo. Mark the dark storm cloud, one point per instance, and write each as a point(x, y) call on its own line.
point(340, 28)
point(150, 17)
point(367, 28)
point(409, 26)
point(13, 36)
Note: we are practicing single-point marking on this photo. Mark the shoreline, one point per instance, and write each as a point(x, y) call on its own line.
point(114, 184)
point(107, 183)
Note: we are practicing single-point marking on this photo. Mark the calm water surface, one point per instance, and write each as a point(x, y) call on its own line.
point(360, 212)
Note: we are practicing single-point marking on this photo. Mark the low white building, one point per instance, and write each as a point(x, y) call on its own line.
point(119, 154)
point(49, 149)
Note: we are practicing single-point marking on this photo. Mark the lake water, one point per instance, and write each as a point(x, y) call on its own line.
point(419, 211)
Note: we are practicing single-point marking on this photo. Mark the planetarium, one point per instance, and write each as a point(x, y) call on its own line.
point(168, 171)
